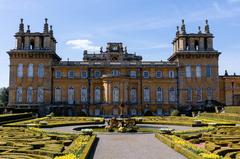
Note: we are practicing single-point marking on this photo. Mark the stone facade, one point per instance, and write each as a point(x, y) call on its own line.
point(41, 82)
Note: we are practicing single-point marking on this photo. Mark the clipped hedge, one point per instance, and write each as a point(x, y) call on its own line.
point(49, 122)
point(184, 151)
point(223, 116)
point(232, 109)
point(7, 118)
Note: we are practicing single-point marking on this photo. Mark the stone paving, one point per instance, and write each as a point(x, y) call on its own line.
point(132, 146)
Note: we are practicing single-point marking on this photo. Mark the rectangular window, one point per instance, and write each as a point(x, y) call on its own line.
point(58, 74)
point(159, 74)
point(189, 94)
point(171, 74)
point(133, 74)
point(209, 93)
point(188, 71)
point(198, 71)
point(199, 94)
point(145, 74)
point(84, 74)
point(115, 73)
point(70, 74)
point(208, 71)
point(97, 74)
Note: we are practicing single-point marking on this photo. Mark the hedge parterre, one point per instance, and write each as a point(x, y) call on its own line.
point(39, 144)
point(49, 121)
point(208, 142)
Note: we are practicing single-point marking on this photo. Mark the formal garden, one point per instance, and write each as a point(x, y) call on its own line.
point(205, 136)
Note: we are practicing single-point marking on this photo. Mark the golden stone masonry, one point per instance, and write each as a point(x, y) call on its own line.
point(41, 82)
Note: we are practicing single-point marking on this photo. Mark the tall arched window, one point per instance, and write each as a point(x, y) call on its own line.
point(20, 70)
point(172, 95)
point(84, 96)
point(58, 94)
point(115, 94)
point(133, 95)
point(30, 70)
point(19, 95)
point(146, 94)
point(40, 95)
point(70, 95)
point(159, 94)
point(40, 70)
point(29, 94)
point(97, 95)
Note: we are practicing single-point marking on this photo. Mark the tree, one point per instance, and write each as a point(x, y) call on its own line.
point(3, 96)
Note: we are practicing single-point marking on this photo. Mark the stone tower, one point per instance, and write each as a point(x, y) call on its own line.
point(198, 81)
point(30, 68)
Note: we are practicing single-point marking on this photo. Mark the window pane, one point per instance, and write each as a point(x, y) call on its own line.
point(84, 96)
point(208, 71)
point(29, 95)
point(40, 95)
point(20, 70)
point(71, 95)
point(133, 95)
point(30, 70)
point(19, 94)
point(40, 70)
point(97, 95)
point(145, 74)
point(57, 94)
point(159, 74)
point(159, 95)
point(115, 94)
point(188, 71)
point(146, 94)
point(199, 94)
point(198, 71)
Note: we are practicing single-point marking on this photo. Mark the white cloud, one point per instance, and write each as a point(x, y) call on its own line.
point(83, 44)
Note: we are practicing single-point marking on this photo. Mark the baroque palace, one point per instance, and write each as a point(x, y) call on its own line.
point(41, 82)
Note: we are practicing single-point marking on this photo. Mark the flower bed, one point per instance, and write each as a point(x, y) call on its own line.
point(41, 144)
point(47, 122)
point(209, 143)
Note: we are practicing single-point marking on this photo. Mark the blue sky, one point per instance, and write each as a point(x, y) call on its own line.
point(147, 27)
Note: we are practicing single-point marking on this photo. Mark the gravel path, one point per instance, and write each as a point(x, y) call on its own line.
point(130, 146)
point(133, 146)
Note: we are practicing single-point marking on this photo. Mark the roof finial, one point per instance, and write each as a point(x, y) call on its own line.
point(28, 28)
point(101, 49)
point(125, 49)
point(51, 30)
point(226, 73)
point(207, 31)
point(21, 26)
point(177, 33)
point(45, 30)
point(183, 28)
point(199, 30)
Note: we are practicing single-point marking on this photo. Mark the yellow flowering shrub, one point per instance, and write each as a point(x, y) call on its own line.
point(210, 156)
point(68, 156)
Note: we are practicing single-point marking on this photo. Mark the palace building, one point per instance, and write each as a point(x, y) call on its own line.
point(41, 82)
